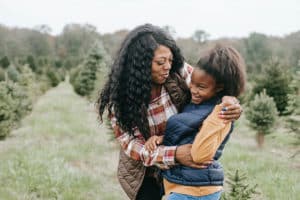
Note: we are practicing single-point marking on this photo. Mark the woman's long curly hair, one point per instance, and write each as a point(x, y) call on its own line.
point(127, 92)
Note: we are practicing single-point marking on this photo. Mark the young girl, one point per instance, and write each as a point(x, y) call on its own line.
point(221, 72)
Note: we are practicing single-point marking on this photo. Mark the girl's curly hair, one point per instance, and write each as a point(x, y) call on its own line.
point(127, 92)
point(227, 66)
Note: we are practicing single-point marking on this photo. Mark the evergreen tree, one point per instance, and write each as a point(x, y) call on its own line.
point(14, 105)
point(22, 104)
point(262, 114)
point(239, 188)
point(293, 108)
point(6, 114)
point(31, 63)
point(53, 77)
point(275, 80)
point(4, 62)
point(29, 82)
point(13, 73)
point(85, 80)
point(2, 74)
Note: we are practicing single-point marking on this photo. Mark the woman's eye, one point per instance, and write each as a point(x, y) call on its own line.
point(160, 63)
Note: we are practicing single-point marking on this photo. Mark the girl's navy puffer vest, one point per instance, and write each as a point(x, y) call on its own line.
point(182, 129)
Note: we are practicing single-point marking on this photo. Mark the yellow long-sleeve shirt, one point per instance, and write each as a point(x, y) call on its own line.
point(206, 143)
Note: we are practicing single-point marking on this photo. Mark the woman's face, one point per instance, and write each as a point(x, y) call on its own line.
point(161, 64)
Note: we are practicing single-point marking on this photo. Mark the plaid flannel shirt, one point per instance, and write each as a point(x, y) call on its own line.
point(159, 111)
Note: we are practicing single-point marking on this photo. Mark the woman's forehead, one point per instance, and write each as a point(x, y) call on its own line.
point(162, 52)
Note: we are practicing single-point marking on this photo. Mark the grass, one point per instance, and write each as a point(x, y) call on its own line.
point(61, 152)
point(272, 168)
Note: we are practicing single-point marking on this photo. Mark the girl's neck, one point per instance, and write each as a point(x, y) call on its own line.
point(155, 91)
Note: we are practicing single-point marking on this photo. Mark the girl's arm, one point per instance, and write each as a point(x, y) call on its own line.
point(209, 137)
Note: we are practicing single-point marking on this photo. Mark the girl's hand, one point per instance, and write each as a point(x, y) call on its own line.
point(152, 143)
point(232, 109)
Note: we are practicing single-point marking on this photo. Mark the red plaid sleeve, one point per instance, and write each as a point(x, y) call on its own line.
point(133, 146)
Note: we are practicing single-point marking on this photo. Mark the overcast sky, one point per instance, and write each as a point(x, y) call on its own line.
point(220, 18)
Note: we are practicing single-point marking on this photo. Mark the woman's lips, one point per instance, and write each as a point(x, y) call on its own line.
point(165, 76)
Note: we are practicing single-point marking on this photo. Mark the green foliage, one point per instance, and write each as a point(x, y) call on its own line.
point(22, 102)
point(58, 63)
point(74, 72)
point(31, 63)
point(13, 73)
point(15, 104)
point(275, 80)
point(257, 51)
point(293, 108)
point(262, 113)
point(6, 114)
point(245, 97)
point(4, 62)
point(29, 81)
point(239, 188)
point(2, 74)
point(84, 82)
point(53, 77)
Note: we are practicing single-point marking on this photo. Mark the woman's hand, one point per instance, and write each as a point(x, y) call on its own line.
point(152, 142)
point(232, 109)
point(184, 157)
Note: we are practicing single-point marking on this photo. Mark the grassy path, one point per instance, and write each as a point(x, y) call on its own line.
point(59, 153)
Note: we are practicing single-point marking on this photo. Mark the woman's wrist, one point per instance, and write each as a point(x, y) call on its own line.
point(175, 153)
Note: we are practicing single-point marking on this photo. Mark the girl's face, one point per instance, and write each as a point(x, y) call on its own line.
point(161, 64)
point(203, 86)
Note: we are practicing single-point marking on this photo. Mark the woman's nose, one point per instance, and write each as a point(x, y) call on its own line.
point(167, 65)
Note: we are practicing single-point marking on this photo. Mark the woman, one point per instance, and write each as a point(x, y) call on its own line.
point(146, 86)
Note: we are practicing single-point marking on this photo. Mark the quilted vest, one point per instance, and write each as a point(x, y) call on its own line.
point(182, 129)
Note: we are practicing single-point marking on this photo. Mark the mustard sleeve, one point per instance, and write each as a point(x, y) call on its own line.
point(209, 137)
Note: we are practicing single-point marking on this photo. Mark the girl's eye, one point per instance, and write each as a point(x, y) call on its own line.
point(200, 87)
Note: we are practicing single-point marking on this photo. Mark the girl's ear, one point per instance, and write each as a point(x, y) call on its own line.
point(219, 88)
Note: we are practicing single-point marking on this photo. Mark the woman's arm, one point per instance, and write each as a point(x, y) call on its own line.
point(232, 109)
point(133, 146)
point(210, 137)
